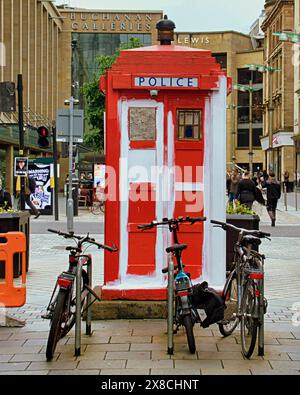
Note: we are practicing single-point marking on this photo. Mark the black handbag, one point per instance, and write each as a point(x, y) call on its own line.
point(207, 299)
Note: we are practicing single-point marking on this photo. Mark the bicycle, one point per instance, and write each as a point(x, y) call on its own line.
point(63, 305)
point(186, 314)
point(98, 204)
point(243, 291)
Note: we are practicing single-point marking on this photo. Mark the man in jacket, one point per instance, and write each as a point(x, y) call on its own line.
point(246, 191)
point(273, 195)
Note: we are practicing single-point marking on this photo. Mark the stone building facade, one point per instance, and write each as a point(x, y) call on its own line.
point(277, 142)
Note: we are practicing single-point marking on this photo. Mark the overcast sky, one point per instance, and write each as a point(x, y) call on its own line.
point(189, 15)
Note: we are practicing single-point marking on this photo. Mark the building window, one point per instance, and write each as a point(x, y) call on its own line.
point(257, 134)
point(243, 138)
point(142, 124)
point(221, 58)
point(189, 124)
point(245, 76)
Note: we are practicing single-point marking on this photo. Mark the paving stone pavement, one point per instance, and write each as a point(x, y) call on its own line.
point(128, 347)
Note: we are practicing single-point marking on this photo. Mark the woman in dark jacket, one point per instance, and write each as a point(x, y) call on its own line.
point(246, 192)
point(273, 195)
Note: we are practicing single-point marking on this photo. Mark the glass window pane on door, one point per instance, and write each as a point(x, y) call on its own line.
point(189, 124)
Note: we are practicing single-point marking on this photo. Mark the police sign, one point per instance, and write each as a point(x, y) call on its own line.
point(166, 82)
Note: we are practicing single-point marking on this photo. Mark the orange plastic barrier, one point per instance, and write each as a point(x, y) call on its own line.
point(10, 244)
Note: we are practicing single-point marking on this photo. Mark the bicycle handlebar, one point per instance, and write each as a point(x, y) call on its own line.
point(225, 226)
point(172, 221)
point(85, 239)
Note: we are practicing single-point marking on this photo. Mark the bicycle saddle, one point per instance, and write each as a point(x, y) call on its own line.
point(176, 247)
point(255, 241)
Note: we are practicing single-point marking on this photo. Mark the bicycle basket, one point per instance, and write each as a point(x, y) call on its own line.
point(207, 299)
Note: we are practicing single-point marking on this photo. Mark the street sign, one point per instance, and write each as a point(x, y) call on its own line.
point(63, 125)
point(7, 97)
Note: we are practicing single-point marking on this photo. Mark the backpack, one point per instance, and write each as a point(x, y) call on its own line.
point(32, 184)
point(207, 299)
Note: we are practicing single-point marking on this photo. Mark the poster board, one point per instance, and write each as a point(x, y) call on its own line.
point(21, 167)
point(42, 198)
point(99, 175)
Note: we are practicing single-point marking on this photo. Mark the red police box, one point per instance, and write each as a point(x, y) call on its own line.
point(165, 157)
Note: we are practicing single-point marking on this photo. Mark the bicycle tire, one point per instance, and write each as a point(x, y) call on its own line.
point(187, 323)
point(102, 207)
point(96, 208)
point(229, 324)
point(55, 329)
point(249, 324)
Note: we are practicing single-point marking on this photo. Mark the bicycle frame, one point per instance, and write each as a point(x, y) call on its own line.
point(183, 286)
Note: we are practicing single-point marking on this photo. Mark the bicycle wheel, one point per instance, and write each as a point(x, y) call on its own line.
point(230, 321)
point(102, 207)
point(96, 208)
point(249, 323)
point(56, 329)
point(187, 322)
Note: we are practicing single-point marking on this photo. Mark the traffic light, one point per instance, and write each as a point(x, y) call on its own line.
point(43, 133)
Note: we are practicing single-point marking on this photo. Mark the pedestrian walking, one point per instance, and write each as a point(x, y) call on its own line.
point(286, 180)
point(5, 197)
point(30, 186)
point(265, 175)
point(246, 191)
point(228, 182)
point(233, 188)
point(273, 195)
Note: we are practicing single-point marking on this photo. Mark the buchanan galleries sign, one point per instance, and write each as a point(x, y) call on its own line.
point(97, 21)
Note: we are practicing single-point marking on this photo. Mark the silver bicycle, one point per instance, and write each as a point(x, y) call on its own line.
point(243, 292)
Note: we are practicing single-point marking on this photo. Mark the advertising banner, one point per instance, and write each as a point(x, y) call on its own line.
point(42, 198)
point(21, 167)
point(99, 175)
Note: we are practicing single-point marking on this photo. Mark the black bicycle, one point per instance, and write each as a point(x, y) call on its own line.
point(243, 292)
point(186, 314)
point(61, 310)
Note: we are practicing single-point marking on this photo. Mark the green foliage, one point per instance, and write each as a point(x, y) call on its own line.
point(239, 209)
point(95, 100)
point(5, 210)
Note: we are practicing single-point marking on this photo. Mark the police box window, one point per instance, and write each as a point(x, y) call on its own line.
point(142, 124)
point(189, 124)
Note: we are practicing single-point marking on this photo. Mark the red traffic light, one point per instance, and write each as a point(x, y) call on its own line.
point(43, 133)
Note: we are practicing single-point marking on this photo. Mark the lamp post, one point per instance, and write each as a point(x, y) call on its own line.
point(232, 107)
point(249, 88)
point(71, 102)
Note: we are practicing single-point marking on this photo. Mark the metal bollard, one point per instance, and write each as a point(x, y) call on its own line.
point(171, 308)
